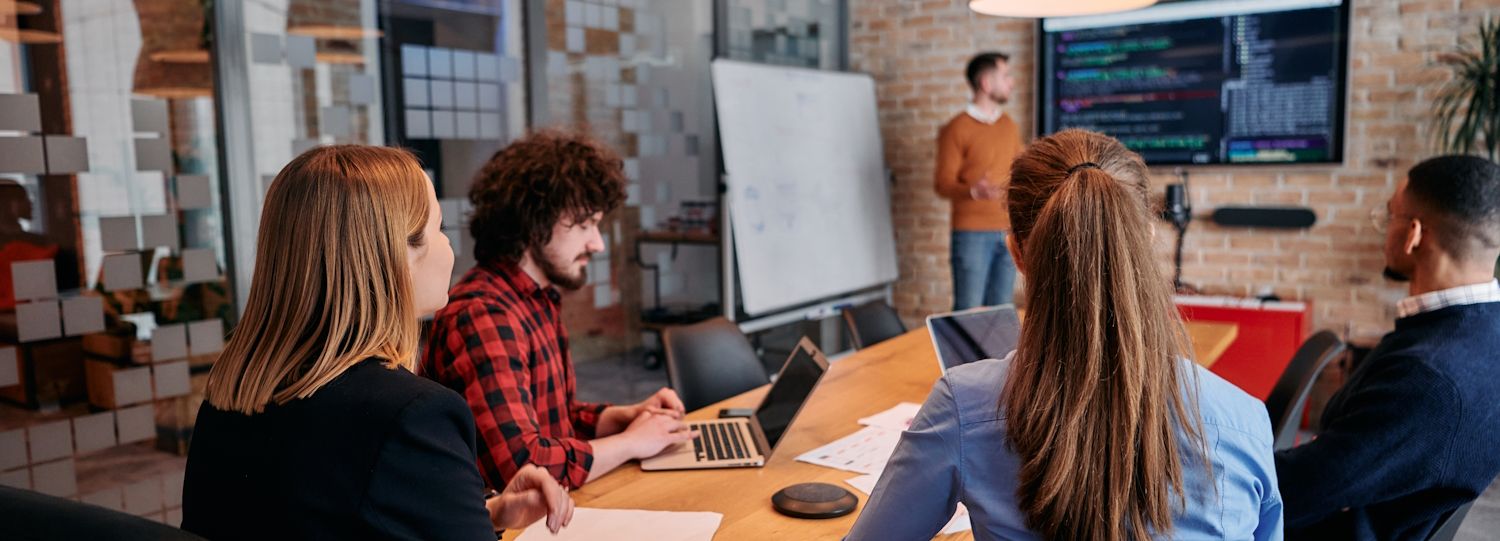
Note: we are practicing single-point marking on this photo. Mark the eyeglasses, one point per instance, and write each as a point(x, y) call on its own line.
point(1381, 217)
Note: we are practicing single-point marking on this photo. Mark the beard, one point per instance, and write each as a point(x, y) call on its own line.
point(558, 274)
point(1395, 275)
point(999, 98)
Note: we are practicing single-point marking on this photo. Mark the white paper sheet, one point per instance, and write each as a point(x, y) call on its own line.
point(959, 522)
point(865, 451)
point(864, 483)
point(628, 524)
point(897, 418)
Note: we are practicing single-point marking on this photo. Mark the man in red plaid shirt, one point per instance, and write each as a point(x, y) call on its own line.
point(500, 342)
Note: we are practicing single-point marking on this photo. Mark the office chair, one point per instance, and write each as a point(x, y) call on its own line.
point(872, 323)
point(33, 516)
point(1289, 398)
point(710, 361)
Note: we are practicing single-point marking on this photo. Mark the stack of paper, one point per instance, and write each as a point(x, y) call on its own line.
point(896, 418)
point(959, 522)
point(865, 451)
point(868, 450)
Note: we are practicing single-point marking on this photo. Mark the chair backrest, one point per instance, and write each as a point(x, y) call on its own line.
point(872, 323)
point(1448, 527)
point(1289, 398)
point(710, 361)
point(33, 516)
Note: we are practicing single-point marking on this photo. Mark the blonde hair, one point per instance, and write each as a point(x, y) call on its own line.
point(331, 285)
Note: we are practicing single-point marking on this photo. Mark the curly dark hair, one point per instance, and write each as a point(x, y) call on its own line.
point(531, 184)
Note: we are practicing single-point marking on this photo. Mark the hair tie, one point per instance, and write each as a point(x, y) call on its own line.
point(1084, 165)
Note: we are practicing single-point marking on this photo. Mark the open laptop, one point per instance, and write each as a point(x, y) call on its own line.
point(748, 441)
point(966, 336)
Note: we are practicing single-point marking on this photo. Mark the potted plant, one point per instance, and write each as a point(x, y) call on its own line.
point(1467, 107)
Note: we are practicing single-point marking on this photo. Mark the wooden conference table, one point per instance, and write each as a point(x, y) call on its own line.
point(902, 369)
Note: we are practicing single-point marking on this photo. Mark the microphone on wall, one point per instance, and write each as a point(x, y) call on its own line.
point(1178, 210)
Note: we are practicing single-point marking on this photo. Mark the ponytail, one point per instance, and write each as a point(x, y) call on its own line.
point(1093, 400)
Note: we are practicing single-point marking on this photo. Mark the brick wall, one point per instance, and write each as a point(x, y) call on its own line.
point(916, 52)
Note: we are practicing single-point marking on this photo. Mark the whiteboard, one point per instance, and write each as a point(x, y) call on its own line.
point(809, 203)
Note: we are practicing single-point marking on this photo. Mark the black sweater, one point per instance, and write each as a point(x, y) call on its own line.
point(1412, 435)
point(375, 454)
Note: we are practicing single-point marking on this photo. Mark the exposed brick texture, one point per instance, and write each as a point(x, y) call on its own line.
point(916, 51)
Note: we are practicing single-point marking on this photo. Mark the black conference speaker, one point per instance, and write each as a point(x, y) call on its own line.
point(814, 500)
point(1269, 217)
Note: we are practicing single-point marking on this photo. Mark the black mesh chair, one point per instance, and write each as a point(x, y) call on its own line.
point(710, 361)
point(1289, 398)
point(872, 323)
point(1448, 527)
point(33, 516)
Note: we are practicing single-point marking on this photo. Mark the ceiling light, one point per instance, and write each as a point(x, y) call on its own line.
point(1054, 8)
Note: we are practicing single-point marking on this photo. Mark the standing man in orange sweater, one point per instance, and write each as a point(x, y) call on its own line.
point(975, 150)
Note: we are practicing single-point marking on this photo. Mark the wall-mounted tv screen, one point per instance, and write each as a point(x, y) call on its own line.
point(1202, 81)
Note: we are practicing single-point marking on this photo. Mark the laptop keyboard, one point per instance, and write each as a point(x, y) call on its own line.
point(719, 441)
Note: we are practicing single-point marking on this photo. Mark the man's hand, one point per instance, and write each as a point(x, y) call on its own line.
point(614, 419)
point(531, 495)
point(650, 433)
point(665, 401)
point(986, 191)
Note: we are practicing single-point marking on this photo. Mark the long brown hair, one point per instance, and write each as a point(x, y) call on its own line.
point(331, 285)
point(1094, 401)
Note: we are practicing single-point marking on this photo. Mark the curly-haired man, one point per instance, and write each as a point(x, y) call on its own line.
point(500, 342)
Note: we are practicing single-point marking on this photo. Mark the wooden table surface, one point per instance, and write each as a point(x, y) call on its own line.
point(902, 369)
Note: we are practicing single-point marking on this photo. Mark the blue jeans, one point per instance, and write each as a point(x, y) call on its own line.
point(983, 273)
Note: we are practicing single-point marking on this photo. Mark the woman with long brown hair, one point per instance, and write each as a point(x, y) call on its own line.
point(1098, 426)
point(313, 425)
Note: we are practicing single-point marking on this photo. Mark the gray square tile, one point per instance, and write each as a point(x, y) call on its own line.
point(20, 112)
point(136, 423)
point(13, 449)
point(194, 192)
point(83, 315)
point(40, 320)
point(122, 272)
point(55, 478)
point(34, 280)
point(150, 116)
point(205, 337)
point(199, 265)
point(94, 432)
point(169, 342)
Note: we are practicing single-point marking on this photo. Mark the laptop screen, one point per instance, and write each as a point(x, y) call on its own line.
point(972, 335)
point(798, 378)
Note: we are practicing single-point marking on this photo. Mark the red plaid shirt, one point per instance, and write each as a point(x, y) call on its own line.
point(500, 343)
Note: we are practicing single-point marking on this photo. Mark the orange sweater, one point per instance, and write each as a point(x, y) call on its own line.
point(968, 150)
